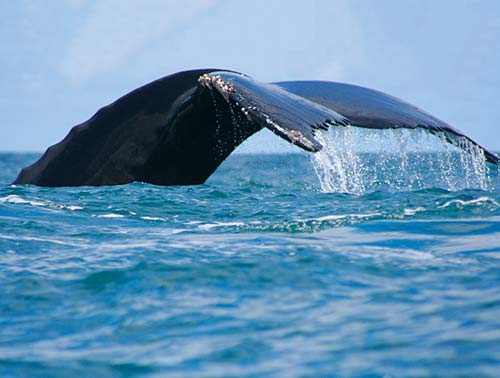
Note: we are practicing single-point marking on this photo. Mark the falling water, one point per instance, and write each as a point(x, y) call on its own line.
point(356, 160)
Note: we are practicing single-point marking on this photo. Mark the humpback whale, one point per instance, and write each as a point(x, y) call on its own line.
point(177, 130)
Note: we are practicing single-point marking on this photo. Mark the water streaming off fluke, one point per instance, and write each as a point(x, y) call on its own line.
point(356, 161)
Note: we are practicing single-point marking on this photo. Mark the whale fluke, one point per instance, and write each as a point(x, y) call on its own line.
point(292, 117)
point(177, 130)
point(373, 109)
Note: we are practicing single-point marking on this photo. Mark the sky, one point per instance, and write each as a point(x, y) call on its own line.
point(61, 61)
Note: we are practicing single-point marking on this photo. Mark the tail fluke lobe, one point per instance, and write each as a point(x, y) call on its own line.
point(290, 116)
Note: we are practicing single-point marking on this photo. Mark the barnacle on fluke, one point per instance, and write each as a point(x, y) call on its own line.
point(178, 130)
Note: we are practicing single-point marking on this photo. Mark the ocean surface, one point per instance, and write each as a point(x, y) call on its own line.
point(278, 266)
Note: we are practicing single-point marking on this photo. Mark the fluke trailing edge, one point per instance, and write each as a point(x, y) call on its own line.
point(178, 130)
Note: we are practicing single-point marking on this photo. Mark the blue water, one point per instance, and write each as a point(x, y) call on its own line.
point(257, 273)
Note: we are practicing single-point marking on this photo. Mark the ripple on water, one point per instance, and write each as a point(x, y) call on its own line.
point(256, 273)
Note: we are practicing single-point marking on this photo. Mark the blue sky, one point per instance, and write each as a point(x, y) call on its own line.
point(62, 60)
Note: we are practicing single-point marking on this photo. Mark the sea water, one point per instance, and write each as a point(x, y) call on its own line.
point(376, 266)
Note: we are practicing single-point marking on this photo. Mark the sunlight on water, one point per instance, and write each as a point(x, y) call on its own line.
point(356, 160)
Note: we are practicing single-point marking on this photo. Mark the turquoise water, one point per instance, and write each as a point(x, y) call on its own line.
point(261, 272)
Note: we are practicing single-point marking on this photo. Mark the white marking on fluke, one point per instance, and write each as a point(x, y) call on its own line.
point(228, 92)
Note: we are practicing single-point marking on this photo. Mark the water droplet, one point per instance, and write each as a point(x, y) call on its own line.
point(356, 160)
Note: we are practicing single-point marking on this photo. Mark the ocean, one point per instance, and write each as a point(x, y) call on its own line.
point(278, 266)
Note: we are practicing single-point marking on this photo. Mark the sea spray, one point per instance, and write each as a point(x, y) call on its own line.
point(356, 161)
point(339, 169)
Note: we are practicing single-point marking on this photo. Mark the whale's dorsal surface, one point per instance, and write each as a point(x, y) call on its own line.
point(368, 108)
point(177, 130)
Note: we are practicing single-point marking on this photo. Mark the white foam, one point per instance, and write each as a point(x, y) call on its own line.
point(13, 198)
point(210, 226)
point(111, 215)
point(72, 207)
point(346, 216)
point(409, 211)
point(476, 201)
point(153, 218)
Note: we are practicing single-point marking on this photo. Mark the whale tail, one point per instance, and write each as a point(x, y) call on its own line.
point(179, 129)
